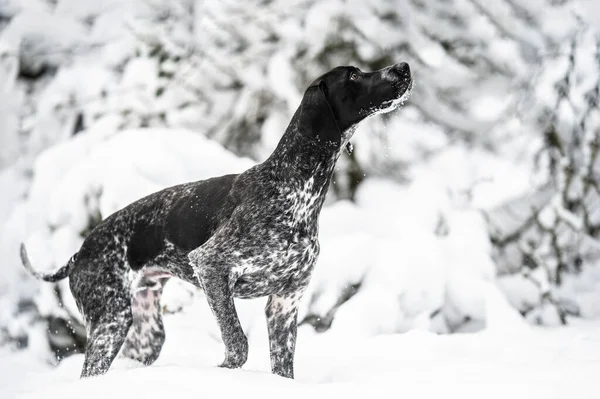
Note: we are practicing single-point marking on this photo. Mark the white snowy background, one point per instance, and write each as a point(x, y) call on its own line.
point(460, 253)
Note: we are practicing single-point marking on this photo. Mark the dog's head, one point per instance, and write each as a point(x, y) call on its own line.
point(336, 102)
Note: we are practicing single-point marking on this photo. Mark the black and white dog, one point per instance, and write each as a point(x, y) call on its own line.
point(245, 236)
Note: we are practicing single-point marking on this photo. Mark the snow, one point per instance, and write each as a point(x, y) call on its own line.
point(42, 37)
point(519, 363)
point(583, 290)
point(591, 9)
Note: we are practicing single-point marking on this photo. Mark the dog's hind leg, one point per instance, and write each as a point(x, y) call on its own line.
point(103, 297)
point(147, 334)
point(105, 338)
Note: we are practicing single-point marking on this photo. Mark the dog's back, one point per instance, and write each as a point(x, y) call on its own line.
point(168, 223)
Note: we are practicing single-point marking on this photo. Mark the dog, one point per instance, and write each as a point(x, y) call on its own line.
point(248, 235)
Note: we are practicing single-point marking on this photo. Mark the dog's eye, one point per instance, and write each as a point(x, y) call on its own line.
point(353, 76)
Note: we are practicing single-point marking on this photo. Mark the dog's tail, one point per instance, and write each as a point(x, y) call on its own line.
point(61, 273)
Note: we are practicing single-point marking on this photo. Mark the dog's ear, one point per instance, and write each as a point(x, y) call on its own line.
point(316, 118)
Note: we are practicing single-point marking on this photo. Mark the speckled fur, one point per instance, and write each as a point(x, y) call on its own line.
point(247, 236)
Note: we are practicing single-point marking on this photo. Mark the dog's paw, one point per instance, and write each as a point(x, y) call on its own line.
point(234, 362)
point(286, 372)
point(283, 367)
point(236, 358)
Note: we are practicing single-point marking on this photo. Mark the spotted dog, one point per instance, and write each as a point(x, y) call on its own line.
point(249, 235)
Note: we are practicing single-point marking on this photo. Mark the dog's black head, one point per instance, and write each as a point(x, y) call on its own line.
point(336, 102)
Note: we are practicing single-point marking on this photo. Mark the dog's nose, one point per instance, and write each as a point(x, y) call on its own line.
point(402, 69)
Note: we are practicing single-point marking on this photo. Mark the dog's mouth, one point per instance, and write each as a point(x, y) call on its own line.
point(389, 105)
point(394, 104)
point(384, 108)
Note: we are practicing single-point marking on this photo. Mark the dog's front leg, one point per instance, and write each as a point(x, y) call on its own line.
point(282, 315)
point(220, 299)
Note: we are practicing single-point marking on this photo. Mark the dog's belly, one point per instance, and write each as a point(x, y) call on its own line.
point(279, 269)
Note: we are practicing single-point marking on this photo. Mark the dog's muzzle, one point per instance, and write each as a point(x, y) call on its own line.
point(402, 70)
point(400, 73)
point(401, 80)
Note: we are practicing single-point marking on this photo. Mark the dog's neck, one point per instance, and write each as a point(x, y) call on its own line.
point(301, 169)
point(298, 155)
point(299, 158)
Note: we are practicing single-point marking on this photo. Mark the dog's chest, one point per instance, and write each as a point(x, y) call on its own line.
point(282, 267)
point(285, 254)
point(299, 206)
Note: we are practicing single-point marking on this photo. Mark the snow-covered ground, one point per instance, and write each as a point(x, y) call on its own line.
point(511, 361)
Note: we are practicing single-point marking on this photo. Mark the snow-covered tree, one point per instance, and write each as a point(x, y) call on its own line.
point(553, 235)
